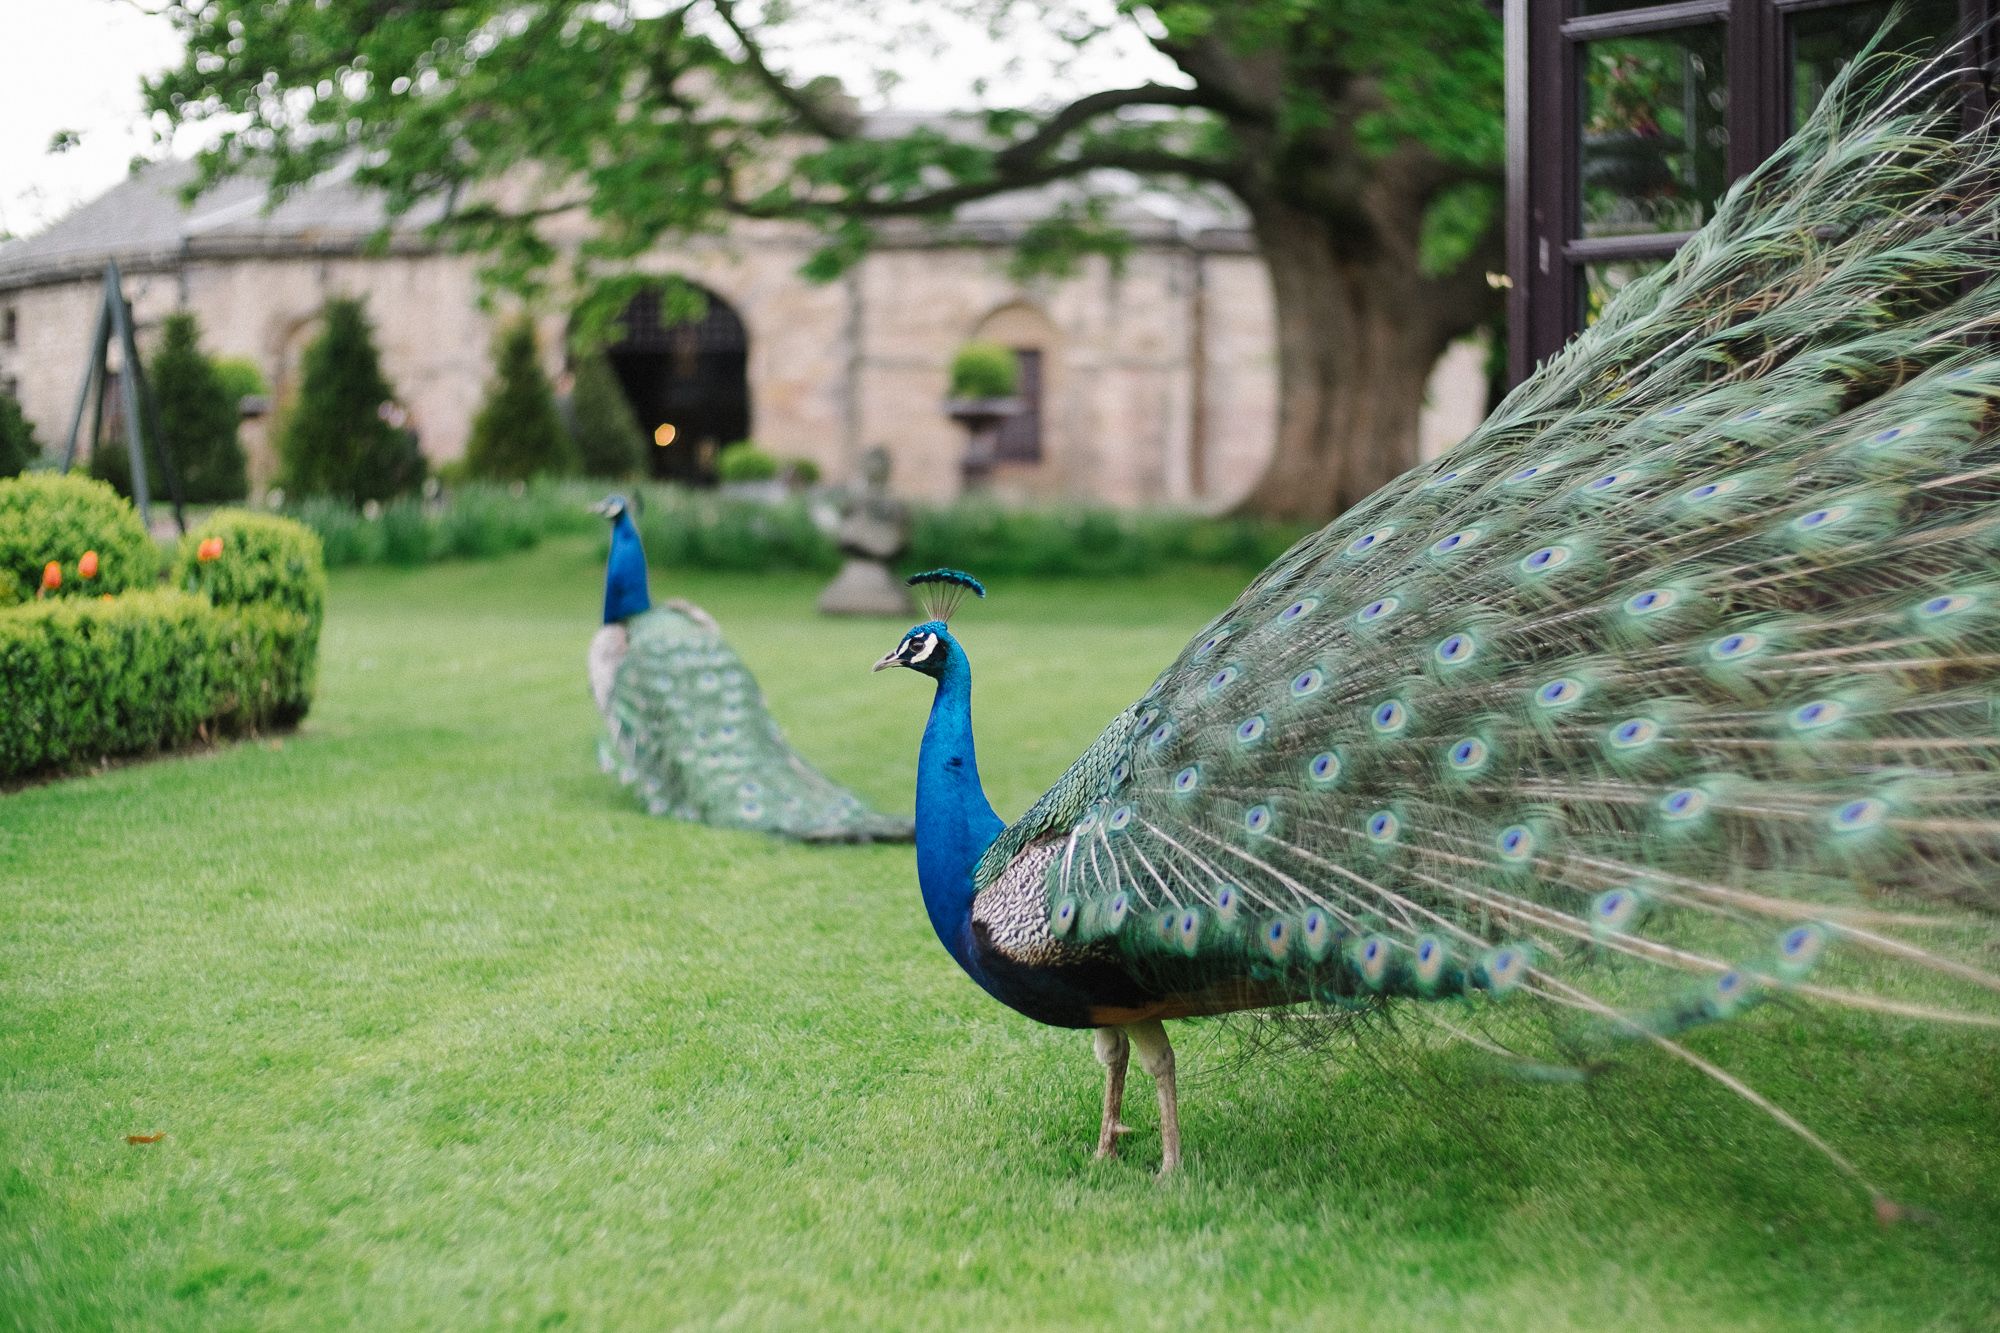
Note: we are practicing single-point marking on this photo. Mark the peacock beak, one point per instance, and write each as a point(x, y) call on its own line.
point(890, 658)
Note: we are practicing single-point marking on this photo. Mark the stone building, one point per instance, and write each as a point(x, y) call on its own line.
point(1152, 382)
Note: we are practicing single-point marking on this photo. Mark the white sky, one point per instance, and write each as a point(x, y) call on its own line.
point(76, 65)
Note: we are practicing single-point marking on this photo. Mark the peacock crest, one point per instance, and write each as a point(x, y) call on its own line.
point(943, 591)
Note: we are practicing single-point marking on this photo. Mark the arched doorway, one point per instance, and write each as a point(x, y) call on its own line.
point(690, 375)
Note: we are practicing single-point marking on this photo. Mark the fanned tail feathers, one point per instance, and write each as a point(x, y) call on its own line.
point(1670, 691)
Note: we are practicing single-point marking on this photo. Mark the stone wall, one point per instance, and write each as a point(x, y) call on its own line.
point(1160, 374)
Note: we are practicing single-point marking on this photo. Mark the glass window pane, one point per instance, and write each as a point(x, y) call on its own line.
point(1655, 131)
point(1601, 282)
point(1824, 40)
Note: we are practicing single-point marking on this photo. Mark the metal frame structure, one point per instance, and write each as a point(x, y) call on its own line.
point(114, 320)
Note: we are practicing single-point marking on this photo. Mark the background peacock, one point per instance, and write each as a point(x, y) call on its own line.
point(1670, 691)
point(685, 723)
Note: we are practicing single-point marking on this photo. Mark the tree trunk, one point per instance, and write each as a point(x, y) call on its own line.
point(1358, 336)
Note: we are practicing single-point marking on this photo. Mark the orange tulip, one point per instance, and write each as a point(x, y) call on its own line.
point(51, 576)
point(88, 565)
point(210, 549)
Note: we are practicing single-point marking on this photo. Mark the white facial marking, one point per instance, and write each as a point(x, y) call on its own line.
point(930, 646)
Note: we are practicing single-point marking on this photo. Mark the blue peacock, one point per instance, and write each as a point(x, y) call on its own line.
point(685, 724)
point(1672, 690)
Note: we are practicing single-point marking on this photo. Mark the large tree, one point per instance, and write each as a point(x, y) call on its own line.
point(1362, 137)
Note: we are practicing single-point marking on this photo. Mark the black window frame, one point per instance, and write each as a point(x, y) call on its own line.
point(1546, 254)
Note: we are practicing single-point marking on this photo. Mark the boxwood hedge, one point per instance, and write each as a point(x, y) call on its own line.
point(116, 664)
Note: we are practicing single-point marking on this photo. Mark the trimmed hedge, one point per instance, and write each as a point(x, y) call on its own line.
point(82, 679)
point(265, 559)
point(47, 517)
point(231, 648)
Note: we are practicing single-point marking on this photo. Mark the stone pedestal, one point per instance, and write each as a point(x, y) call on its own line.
point(866, 587)
point(872, 529)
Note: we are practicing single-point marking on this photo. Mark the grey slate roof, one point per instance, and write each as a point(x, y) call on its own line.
point(142, 222)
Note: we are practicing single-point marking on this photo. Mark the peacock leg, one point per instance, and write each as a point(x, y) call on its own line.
point(1156, 1057)
point(1112, 1052)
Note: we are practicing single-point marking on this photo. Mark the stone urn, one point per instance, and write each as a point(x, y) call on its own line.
point(982, 419)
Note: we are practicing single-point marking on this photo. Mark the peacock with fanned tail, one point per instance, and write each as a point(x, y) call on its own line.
point(686, 726)
point(1670, 691)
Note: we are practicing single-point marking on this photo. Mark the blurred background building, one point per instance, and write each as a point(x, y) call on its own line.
point(1152, 381)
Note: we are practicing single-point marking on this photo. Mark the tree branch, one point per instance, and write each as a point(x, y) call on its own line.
point(1145, 162)
point(804, 107)
point(1083, 110)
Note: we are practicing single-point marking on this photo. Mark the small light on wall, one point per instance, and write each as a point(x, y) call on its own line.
point(664, 434)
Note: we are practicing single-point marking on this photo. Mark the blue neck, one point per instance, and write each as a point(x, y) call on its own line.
point(625, 573)
point(955, 824)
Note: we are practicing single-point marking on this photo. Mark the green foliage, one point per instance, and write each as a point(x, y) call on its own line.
point(697, 530)
point(744, 462)
point(693, 529)
point(1079, 541)
point(518, 433)
point(522, 86)
point(18, 446)
point(336, 439)
point(84, 679)
point(474, 522)
point(1454, 225)
point(701, 530)
point(49, 517)
point(198, 420)
point(803, 470)
point(264, 560)
point(609, 441)
point(984, 370)
point(240, 377)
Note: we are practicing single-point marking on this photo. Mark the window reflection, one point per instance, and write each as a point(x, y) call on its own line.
point(1655, 138)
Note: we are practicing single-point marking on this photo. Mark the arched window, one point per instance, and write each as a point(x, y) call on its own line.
point(1028, 333)
point(1628, 119)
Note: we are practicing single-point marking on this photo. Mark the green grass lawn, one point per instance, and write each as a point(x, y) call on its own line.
point(442, 1032)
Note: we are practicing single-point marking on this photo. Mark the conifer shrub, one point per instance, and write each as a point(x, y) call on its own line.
point(339, 437)
point(48, 518)
point(609, 440)
point(198, 418)
point(518, 433)
point(18, 446)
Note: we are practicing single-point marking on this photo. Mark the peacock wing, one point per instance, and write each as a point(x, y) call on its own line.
point(689, 730)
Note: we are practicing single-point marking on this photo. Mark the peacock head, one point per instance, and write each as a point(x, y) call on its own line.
point(926, 648)
point(612, 506)
point(929, 647)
